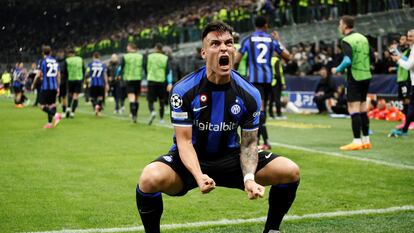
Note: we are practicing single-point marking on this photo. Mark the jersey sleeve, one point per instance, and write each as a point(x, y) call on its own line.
point(278, 47)
point(252, 115)
point(244, 46)
point(180, 106)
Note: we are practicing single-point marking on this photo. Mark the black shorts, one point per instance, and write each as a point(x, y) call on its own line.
point(6, 85)
point(226, 172)
point(96, 91)
point(134, 87)
point(264, 89)
point(63, 89)
point(75, 86)
point(404, 89)
point(18, 89)
point(156, 91)
point(47, 97)
point(357, 91)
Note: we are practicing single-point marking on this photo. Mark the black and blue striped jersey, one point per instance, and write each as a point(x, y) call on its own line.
point(214, 112)
point(18, 78)
point(260, 47)
point(97, 70)
point(50, 69)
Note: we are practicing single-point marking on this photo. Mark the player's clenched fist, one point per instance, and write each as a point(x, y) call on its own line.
point(206, 184)
point(253, 189)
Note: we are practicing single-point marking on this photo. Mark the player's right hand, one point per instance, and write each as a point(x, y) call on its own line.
point(206, 184)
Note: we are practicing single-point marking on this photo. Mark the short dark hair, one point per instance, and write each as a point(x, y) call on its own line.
point(96, 55)
point(158, 46)
point(46, 50)
point(216, 26)
point(132, 45)
point(260, 21)
point(71, 50)
point(349, 21)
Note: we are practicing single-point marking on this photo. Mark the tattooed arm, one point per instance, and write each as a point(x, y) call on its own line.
point(248, 163)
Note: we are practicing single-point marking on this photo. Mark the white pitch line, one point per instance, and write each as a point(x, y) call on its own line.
point(381, 162)
point(335, 154)
point(240, 221)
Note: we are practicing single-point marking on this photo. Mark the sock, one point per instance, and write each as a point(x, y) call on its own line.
point(70, 102)
point(161, 110)
point(75, 105)
point(132, 108)
point(356, 124)
point(357, 141)
point(53, 111)
point(365, 139)
point(151, 106)
point(409, 118)
point(93, 102)
point(405, 109)
point(150, 209)
point(364, 123)
point(281, 198)
point(63, 108)
point(263, 127)
point(49, 113)
point(100, 104)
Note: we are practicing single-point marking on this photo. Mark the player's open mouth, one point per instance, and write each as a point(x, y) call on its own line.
point(224, 60)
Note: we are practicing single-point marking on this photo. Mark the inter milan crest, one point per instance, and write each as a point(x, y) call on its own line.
point(235, 109)
point(176, 101)
point(203, 98)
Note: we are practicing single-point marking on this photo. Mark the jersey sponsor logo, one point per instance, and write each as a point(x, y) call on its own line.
point(179, 115)
point(261, 39)
point(222, 126)
point(168, 158)
point(235, 109)
point(198, 109)
point(176, 101)
point(255, 114)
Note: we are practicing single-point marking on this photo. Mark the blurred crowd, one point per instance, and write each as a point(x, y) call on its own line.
point(107, 26)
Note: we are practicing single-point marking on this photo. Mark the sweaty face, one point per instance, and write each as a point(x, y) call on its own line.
point(218, 51)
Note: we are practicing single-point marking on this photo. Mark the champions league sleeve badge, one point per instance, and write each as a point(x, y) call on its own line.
point(176, 101)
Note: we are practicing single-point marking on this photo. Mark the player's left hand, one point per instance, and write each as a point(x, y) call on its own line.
point(254, 190)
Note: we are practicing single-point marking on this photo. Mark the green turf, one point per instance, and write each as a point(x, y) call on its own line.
point(83, 174)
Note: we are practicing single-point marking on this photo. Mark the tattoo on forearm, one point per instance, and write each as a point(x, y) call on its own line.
point(248, 154)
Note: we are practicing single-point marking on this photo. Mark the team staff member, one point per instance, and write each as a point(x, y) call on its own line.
point(403, 80)
point(49, 73)
point(98, 83)
point(207, 108)
point(408, 64)
point(278, 85)
point(131, 70)
point(75, 70)
point(357, 59)
point(260, 47)
point(158, 74)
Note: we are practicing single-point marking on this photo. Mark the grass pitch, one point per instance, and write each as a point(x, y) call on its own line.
point(82, 175)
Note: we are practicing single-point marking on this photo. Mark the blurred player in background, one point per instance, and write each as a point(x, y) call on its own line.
point(19, 79)
point(117, 85)
point(75, 70)
point(131, 69)
point(49, 76)
point(98, 83)
point(158, 75)
point(260, 47)
point(63, 87)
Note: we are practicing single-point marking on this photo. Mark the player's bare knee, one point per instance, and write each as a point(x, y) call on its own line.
point(151, 179)
point(293, 172)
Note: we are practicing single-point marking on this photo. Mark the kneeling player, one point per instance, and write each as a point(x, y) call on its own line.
point(207, 107)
